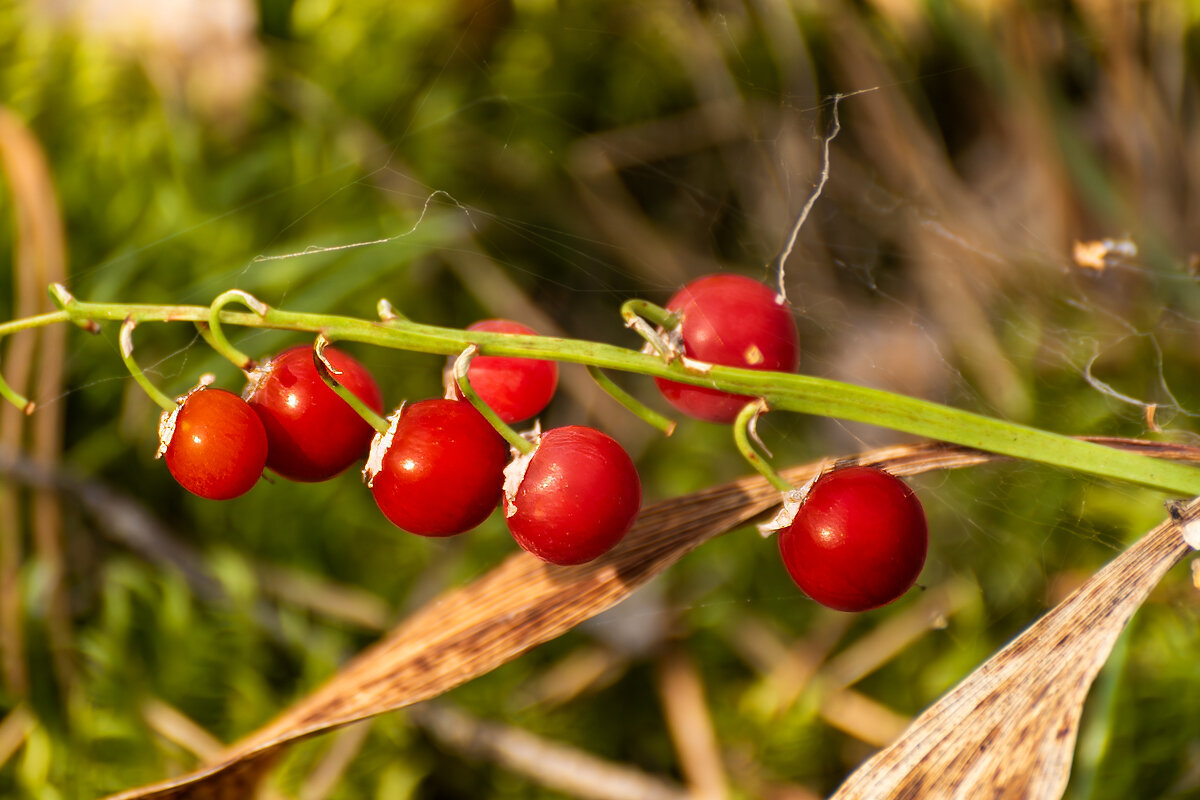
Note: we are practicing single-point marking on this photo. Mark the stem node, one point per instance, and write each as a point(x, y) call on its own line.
point(216, 336)
point(639, 314)
point(65, 301)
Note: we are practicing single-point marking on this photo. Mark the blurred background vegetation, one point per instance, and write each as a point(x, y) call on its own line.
point(544, 161)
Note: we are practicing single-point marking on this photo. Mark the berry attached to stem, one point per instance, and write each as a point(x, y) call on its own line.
point(729, 320)
point(578, 496)
point(214, 334)
point(858, 540)
point(439, 468)
point(461, 375)
point(744, 430)
point(516, 389)
point(314, 434)
point(214, 445)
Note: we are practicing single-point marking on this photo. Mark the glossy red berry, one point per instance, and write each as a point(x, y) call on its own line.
point(313, 433)
point(515, 388)
point(439, 470)
point(858, 540)
point(214, 445)
point(578, 497)
point(735, 321)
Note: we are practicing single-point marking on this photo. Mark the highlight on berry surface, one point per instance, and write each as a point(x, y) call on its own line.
point(214, 445)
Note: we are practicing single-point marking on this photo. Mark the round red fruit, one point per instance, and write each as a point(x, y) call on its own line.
point(858, 541)
point(313, 433)
point(439, 469)
point(578, 497)
point(733, 321)
point(515, 388)
point(214, 445)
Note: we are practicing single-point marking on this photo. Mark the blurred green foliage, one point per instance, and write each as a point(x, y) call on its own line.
point(183, 148)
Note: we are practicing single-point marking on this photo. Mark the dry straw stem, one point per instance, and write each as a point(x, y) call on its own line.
point(34, 363)
point(551, 764)
point(523, 602)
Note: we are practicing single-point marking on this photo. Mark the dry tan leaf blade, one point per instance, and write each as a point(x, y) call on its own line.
point(523, 602)
point(1008, 730)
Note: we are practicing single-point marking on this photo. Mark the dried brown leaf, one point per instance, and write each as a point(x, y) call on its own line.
point(1008, 730)
point(34, 366)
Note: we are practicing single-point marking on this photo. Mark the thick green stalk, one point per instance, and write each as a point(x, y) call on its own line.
point(782, 391)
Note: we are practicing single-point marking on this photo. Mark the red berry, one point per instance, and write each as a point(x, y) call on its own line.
point(313, 433)
point(439, 470)
point(214, 444)
point(515, 388)
point(578, 497)
point(732, 321)
point(858, 540)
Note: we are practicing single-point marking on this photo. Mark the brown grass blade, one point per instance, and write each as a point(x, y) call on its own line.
point(552, 764)
point(521, 603)
point(1008, 730)
point(34, 364)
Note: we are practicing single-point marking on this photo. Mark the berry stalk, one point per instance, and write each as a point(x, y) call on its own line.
point(126, 341)
point(214, 334)
point(461, 365)
point(329, 374)
point(782, 391)
point(635, 406)
point(743, 432)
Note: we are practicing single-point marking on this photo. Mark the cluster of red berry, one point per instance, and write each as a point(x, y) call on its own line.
point(439, 468)
point(859, 537)
point(856, 541)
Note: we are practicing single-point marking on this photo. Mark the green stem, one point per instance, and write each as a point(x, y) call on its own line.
point(782, 391)
point(637, 312)
point(62, 297)
point(216, 336)
point(329, 374)
point(16, 398)
point(126, 341)
point(461, 365)
point(743, 431)
point(644, 309)
point(637, 407)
